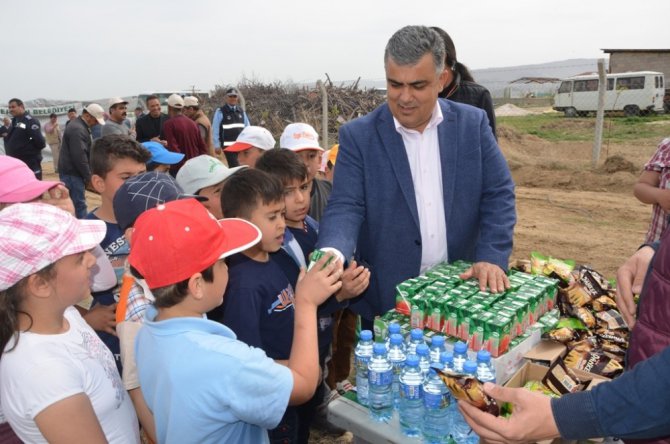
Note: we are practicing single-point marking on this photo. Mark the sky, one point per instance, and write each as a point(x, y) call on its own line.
point(83, 50)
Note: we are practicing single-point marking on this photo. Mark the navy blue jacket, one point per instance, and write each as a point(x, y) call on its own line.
point(372, 209)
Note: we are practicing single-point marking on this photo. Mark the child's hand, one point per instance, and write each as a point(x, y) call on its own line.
point(102, 318)
point(320, 282)
point(354, 282)
point(59, 196)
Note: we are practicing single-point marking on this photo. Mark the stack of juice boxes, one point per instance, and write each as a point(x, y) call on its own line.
point(441, 302)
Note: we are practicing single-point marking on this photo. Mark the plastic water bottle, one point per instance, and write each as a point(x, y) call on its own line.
point(363, 353)
point(423, 353)
point(393, 329)
point(380, 378)
point(436, 402)
point(410, 410)
point(460, 356)
point(447, 361)
point(485, 370)
point(396, 355)
point(415, 338)
point(437, 348)
point(460, 429)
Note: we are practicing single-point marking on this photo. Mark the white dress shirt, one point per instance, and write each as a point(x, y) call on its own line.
point(423, 153)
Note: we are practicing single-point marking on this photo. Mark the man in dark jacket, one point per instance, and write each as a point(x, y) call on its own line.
point(24, 139)
point(73, 165)
point(150, 126)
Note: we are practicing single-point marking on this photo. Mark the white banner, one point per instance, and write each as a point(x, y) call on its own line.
point(45, 111)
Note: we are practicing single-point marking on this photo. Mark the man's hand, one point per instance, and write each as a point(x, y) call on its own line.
point(218, 151)
point(629, 279)
point(532, 419)
point(320, 282)
point(489, 275)
point(102, 318)
point(157, 139)
point(354, 282)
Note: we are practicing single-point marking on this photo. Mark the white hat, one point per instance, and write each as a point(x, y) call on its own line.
point(175, 101)
point(97, 112)
point(203, 171)
point(252, 136)
point(191, 101)
point(299, 137)
point(116, 101)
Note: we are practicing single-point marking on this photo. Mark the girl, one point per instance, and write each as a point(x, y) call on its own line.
point(58, 381)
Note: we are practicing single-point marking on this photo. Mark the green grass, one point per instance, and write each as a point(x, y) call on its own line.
point(556, 127)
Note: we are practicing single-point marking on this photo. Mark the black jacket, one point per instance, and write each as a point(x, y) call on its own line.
point(75, 150)
point(474, 94)
point(24, 139)
point(148, 127)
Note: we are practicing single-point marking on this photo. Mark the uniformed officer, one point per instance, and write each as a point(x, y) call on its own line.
point(228, 123)
point(24, 140)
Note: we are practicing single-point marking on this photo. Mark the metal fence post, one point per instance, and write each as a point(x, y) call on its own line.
point(324, 113)
point(600, 114)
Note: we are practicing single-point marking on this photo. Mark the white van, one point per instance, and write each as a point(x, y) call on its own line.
point(634, 93)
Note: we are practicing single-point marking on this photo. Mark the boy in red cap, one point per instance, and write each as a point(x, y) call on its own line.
point(202, 384)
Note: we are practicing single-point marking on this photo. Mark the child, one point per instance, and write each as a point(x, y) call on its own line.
point(161, 159)
point(302, 139)
point(299, 242)
point(59, 382)
point(114, 158)
point(134, 197)
point(252, 142)
point(204, 176)
point(201, 383)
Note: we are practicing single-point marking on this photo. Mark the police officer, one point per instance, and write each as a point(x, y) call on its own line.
point(24, 140)
point(229, 121)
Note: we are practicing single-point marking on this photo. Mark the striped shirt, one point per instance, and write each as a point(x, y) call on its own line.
point(660, 163)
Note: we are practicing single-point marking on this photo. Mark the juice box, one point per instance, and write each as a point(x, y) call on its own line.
point(499, 335)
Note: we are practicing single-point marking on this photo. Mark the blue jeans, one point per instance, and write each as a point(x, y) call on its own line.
point(77, 193)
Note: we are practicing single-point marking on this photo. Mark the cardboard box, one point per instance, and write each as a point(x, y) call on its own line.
point(531, 371)
point(546, 353)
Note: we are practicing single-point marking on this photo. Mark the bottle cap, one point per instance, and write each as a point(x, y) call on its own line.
point(380, 349)
point(396, 339)
point(470, 367)
point(422, 349)
point(460, 347)
point(438, 341)
point(366, 335)
point(483, 356)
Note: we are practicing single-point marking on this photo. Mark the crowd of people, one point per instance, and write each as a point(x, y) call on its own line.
point(208, 319)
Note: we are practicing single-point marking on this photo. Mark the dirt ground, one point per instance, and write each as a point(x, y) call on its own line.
point(565, 208)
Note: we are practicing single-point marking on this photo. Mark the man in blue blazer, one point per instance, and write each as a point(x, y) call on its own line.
point(419, 181)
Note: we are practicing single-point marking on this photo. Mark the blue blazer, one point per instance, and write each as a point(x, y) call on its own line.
point(372, 209)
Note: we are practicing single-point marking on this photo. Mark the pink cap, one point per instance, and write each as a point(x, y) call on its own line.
point(35, 235)
point(18, 182)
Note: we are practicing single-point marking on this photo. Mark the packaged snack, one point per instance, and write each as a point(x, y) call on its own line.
point(537, 386)
point(561, 380)
point(593, 362)
point(537, 262)
point(563, 334)
point(562, 268)
point(611, 320)
point(470, 389)
point(619, 337)
point(603, 303)
point(584, 315)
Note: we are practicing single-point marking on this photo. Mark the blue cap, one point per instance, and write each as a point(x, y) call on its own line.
point(159, 154)
point(142, 192)
point(379, 349)
point(412, 360)
point(437, 341)
point(396, 339)
point(366, 335)
point(446, 358)
point(422, 349)
point(394, 327)
point(483, 356)
point(417, 333)
point(470, 367)
point(460, 347)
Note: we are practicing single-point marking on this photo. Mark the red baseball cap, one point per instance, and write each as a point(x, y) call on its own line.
point(177, 239)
